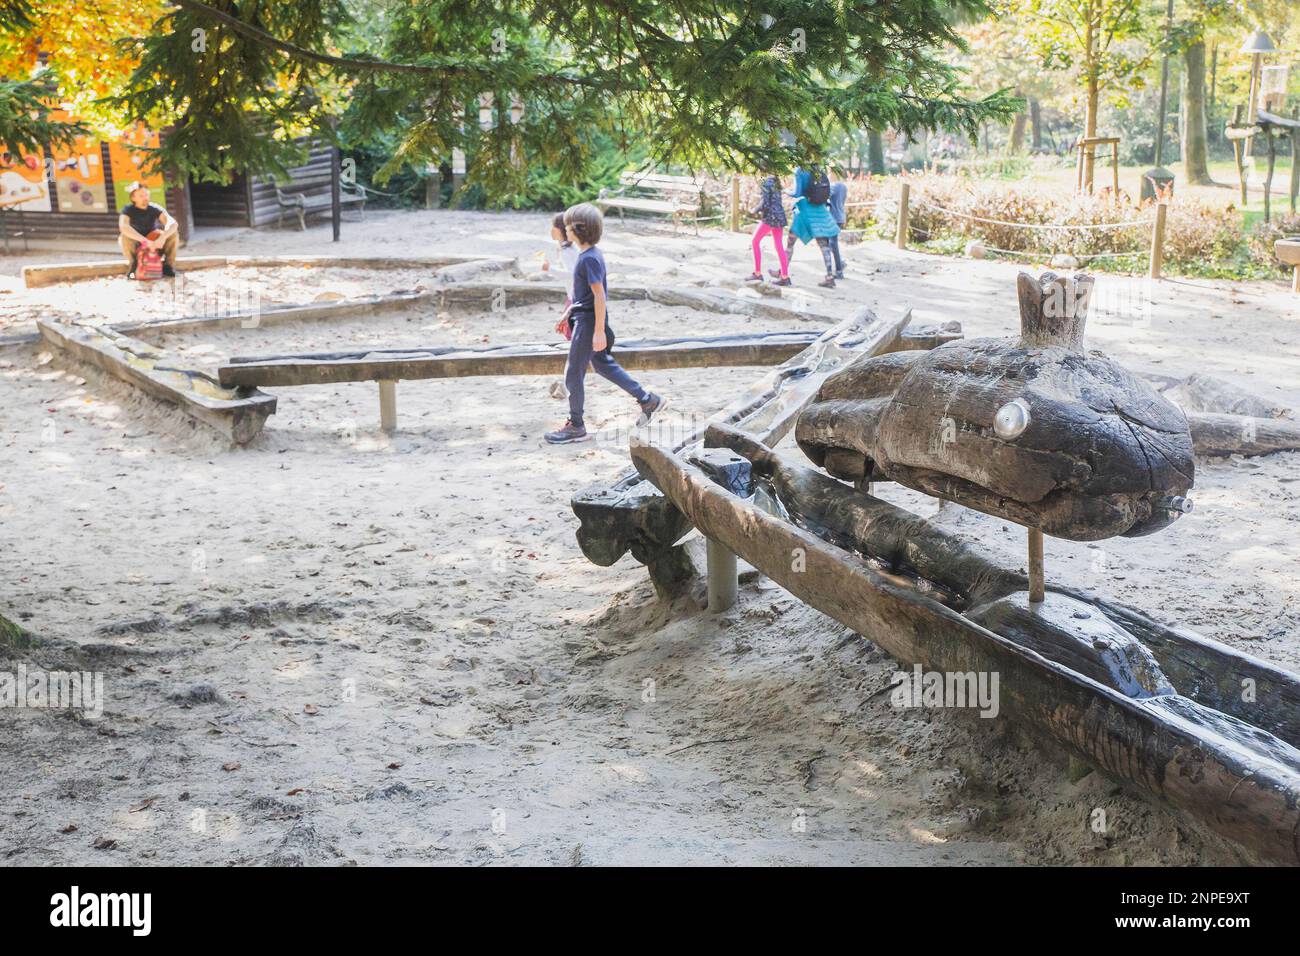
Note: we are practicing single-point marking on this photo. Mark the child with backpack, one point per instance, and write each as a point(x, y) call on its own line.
point(771, 216)
point(812, 218)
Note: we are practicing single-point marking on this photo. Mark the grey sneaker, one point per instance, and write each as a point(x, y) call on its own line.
point(567, 435)
point(651, 406)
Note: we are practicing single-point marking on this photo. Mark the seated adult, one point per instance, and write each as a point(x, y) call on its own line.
point(144, 223)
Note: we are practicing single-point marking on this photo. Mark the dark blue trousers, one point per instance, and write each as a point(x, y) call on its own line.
point(581, 355)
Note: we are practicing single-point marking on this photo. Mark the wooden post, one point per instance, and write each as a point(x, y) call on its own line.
point(1238, 155)
point(1037, 584)
point(904, 196)
point(735, 203)
point(336, 203)
point(723, 580)
point(1158, 240)
point(1114, 164)
point(388, 405)
point(1295, 161)
point(1268, 178)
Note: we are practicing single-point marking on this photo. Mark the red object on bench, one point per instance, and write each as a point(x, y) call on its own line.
point(148, 262)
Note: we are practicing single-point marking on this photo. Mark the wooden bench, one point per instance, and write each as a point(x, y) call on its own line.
point(307, 198)
point(678, 197)
point(1288, 253)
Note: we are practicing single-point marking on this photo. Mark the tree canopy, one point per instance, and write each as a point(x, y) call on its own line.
point(704, 82)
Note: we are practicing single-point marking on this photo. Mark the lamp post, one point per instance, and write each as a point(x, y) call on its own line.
point(1157, 178)
point(1164, 86)
point(1257, 45)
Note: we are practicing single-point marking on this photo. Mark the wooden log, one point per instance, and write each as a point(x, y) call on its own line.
point(35, 277)
point(1205, 393)
point(489, 296)
point(628, 514)
point(238, 414)
point(734, 303)
point(1238, 780)
point(1036, 429)
point(477, 269)
point(764, 348)
point(1241, 435)
point(48, 274)
point(278, 315)
point(923, 338)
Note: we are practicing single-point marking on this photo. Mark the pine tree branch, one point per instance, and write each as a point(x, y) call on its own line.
point(258, 35)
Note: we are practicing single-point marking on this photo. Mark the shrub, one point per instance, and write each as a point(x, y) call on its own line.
point(947, 208)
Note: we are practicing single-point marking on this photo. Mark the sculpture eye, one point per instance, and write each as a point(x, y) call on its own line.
point(1011, 420)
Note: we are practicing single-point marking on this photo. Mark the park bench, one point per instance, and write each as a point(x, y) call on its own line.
point(313, 197)
point(678, 197)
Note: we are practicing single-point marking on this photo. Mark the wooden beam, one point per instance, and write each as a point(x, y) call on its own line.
point(768, 348)
point(1219, 434)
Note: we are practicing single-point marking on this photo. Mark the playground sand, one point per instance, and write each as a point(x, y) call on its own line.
point(336, 646)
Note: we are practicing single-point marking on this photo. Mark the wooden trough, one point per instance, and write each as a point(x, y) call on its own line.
point(1156, 706)
point(238, 413)
point(232, 405)
point(389, 366)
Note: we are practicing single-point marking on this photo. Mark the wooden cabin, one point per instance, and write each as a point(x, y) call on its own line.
point(90, 210)
point(250, 200)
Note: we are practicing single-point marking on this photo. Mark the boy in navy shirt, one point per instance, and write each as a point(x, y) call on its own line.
point(592, 335)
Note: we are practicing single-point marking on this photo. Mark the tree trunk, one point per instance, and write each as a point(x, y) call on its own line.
point(1035, 124)
point(1016, 141)
point(1090, 130)
point(876, 152)
point(1092, 72)
point(1196, 159)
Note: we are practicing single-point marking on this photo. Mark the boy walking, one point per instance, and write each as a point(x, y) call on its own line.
point(592, 335)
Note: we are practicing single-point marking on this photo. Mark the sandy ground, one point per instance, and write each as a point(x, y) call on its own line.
point(336, 646)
